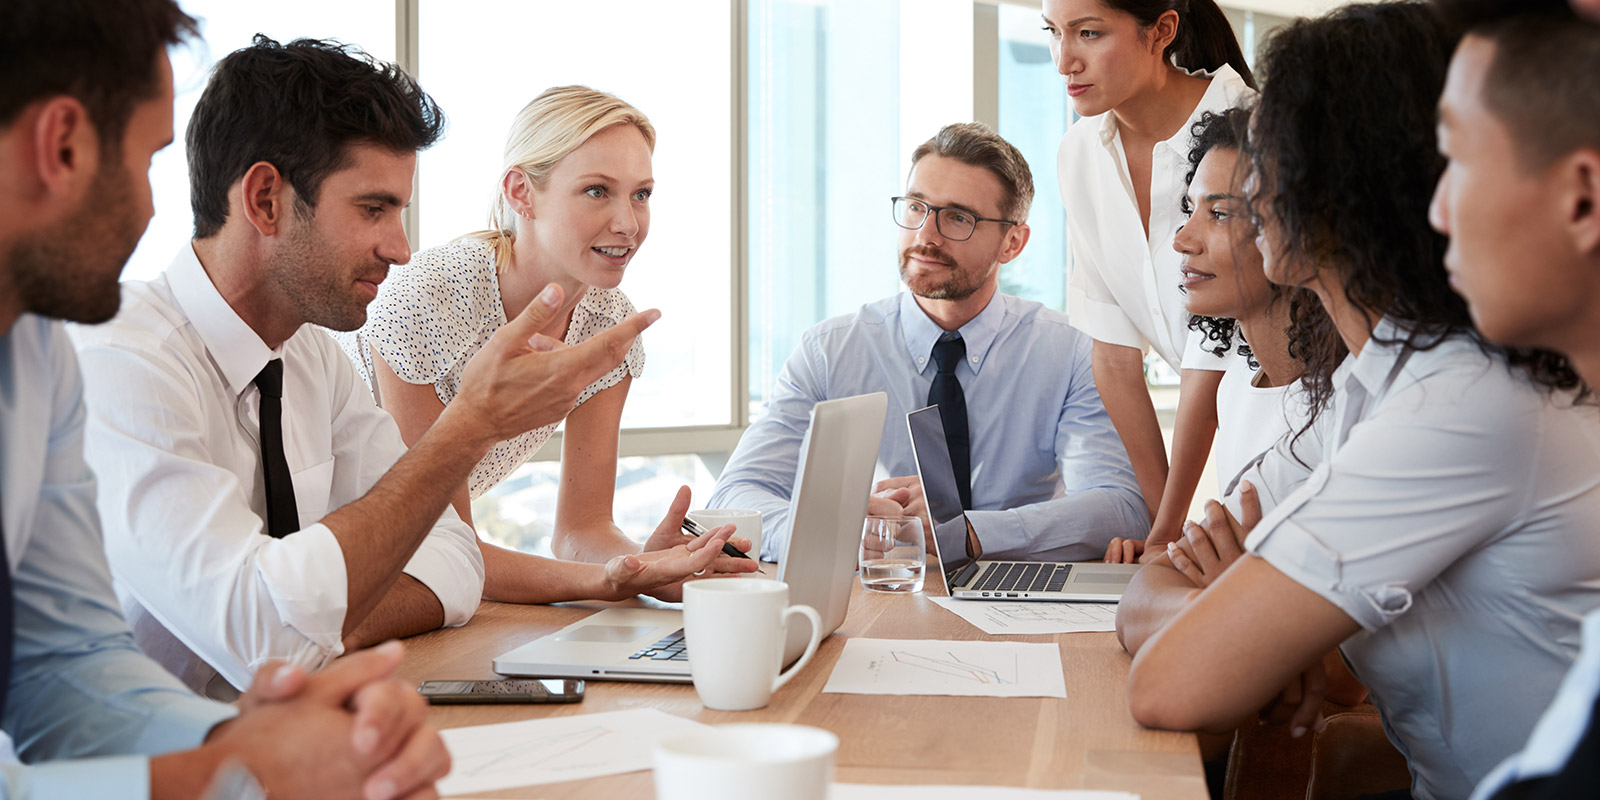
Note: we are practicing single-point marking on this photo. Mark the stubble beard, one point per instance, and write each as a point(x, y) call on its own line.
point(960, 285)
point(69, 271)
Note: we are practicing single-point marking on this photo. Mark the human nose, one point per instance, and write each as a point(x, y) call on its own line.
point(1061, 53)
point(625, 220)
point(929, 233)
point(394, 248)
point(1185, 242)
point(1439, 207)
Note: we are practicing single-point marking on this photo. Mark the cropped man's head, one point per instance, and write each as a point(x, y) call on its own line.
point(308, 150)
point(86, 100)
point(1519, 197)
point(964, 213)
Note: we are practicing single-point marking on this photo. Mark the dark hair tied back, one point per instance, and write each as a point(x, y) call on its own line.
point(1205, 40)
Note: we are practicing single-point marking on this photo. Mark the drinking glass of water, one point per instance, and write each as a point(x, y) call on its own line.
point(892, 554)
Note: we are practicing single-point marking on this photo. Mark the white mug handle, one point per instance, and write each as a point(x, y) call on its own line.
point(811, 649)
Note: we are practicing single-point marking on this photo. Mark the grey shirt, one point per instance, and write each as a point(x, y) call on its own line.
point(1451, 513)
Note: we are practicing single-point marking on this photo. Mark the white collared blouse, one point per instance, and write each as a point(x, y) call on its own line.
point(1124, 287)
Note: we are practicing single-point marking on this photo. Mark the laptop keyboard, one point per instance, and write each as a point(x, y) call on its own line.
point(1018, 576)
point(670, 648)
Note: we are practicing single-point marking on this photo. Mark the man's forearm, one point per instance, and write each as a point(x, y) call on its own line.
point(1156, 594)
point(379, 532)
point(407, 609)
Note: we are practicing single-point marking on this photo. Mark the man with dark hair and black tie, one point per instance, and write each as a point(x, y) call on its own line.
point(1040, 468)
point(257, 504)
point(85, 102)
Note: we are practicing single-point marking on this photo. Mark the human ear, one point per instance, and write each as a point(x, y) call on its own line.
point(265, 197)
point(518, 192)
point(1016, 239)
point(1584, 206)
point(66, 148)
point(1163, 31)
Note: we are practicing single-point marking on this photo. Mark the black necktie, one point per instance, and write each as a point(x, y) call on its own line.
point(7, 621)
point(282, 517)
point(952, 402)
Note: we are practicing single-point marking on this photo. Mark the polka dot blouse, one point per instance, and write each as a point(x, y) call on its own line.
point(435, 313)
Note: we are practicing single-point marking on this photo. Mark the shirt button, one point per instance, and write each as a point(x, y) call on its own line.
point(921, 360)
point(974, 359)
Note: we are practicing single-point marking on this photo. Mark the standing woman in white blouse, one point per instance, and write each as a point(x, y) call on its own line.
point(1141, 72)
point(572, 208)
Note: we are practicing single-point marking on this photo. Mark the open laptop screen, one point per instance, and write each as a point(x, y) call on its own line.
point(948, 520)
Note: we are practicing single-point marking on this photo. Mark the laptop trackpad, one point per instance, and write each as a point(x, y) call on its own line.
point(605, 633)
point(1100, 577)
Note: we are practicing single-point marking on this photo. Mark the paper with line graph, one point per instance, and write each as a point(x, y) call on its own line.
point(933, 666)
point(996, 618)
point(489, 757)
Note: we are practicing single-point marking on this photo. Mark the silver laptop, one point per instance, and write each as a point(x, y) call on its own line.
point(969, 579)
point(826, 510)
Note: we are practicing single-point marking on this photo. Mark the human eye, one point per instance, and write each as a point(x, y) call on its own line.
point(1220, 215)
point(916, 207)
point(373, 210)
point(597, 192)
point(1088, 34)
point(961, 217)
point(1051, 30)
point(643, 195)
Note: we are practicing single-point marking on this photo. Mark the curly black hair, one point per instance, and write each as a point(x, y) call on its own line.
point(1351, 178)
point(1230, 130)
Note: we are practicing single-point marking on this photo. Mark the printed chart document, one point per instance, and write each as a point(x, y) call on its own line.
point(489, 757)
point(933, 666)
point(859, 791)
point(993, 617)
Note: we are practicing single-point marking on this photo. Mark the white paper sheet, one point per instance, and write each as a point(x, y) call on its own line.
point(933, 666)
point(1006, 617)
point(856, 791)
point(489, 757)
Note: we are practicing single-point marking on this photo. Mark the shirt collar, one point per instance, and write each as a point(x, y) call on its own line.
point(1375, 365)
point(235, 348)
point(921, 332)
point(1225, 85)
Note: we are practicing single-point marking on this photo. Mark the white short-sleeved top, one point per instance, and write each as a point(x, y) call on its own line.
point(1251, 418)
point(1124, 286)
point(1450, 513)
point(434, 314)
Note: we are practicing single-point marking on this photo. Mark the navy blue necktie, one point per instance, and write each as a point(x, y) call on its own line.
point(946, 393)
point(282, 516)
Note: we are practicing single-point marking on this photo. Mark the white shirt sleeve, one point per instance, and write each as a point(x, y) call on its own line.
point(1094, 310)
point(180, 533)
point(366, 444)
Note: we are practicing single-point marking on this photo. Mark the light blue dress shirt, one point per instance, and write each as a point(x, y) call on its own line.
point(1050, 477)
point(86, 706)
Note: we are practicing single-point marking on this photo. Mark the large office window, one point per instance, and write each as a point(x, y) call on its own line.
point(227, 26)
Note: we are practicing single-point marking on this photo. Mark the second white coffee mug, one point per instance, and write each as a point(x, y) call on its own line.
point(734, 629)
point(746, 523)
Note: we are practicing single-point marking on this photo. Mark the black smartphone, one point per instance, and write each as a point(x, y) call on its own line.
point(508, 690)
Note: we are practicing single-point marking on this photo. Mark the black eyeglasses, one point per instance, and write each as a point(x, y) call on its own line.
point(955, 224)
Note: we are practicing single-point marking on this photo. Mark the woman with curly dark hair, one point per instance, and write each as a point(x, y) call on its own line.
point(1140, 72)
point(1233, 305)
point(1443, 538)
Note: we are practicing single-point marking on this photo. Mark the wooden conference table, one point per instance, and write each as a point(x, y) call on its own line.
point(1086, 741)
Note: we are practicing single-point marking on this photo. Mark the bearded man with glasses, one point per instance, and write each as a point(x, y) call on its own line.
point(1042, 472)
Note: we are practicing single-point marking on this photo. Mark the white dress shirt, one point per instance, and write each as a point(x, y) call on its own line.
point(172, 433)
point(1251, 419)
point(1450, 513)
point(1124, 286)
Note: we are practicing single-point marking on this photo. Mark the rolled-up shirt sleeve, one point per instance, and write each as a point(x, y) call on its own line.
point(1100, 495)
point(1094, 310)
point(1406, 494)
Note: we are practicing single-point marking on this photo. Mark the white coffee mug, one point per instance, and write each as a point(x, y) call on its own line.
point(736, 762)
point(735, 629)
point(746, 523)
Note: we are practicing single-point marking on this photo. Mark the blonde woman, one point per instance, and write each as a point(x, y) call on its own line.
point(572, 208)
